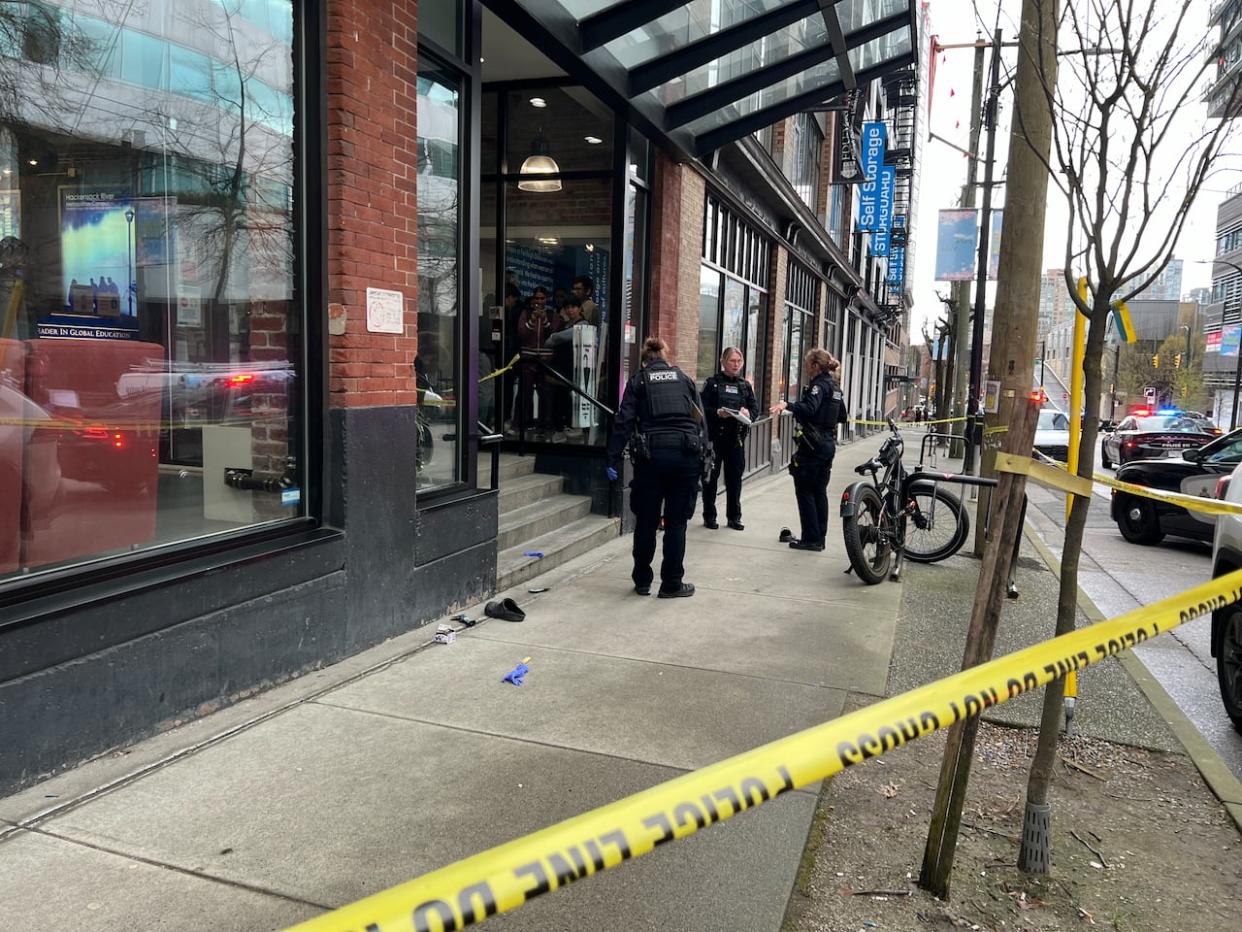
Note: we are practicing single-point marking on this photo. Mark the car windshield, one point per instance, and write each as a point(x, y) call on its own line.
point(1171, 423)
point(1053, 420)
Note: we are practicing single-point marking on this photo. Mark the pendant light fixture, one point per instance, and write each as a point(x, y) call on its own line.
point(538, 164)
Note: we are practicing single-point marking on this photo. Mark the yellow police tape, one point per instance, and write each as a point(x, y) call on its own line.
point(505, 877)
point(499, 372)
point(946, 420)
point(1057, 476)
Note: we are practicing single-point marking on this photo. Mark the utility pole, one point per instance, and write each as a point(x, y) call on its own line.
point(961, 290)
point(1012, 362)
point(981, 284)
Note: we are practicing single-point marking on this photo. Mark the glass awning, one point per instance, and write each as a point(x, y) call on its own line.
point(708, 72)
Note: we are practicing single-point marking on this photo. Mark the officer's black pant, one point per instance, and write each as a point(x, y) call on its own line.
point(667, 481)
point(810, 478)
point(730, 459)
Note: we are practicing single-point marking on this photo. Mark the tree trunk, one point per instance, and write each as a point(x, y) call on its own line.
point(1035, 854)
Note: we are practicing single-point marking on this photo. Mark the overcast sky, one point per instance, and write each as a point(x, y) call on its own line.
point(944, 169)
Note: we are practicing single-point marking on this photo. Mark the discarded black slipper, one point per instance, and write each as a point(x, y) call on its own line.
point(505, 609)
point(786, 535)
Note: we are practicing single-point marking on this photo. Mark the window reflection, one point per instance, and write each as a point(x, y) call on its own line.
point(437, 363)
point(148, 338)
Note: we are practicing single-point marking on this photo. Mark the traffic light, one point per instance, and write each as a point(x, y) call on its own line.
point(1155, 361)
point(1177, 361)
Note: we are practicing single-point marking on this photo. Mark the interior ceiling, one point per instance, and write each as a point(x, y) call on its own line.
point(509, 57)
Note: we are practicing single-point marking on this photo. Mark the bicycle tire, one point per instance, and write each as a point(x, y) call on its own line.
point(862, 534)
point(947, 546)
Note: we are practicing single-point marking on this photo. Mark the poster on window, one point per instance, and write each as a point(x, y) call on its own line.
point(994, 241)
point(955, 246)
point(10, 214)
point(97, 243)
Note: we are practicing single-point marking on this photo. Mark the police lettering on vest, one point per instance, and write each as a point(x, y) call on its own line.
point(731, 397)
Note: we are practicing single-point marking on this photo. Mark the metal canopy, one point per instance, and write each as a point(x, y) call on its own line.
point(705, 73)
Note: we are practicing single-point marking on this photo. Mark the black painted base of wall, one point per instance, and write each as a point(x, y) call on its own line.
point(120, 659)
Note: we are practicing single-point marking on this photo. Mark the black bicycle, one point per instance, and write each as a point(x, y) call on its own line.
point(903, 514)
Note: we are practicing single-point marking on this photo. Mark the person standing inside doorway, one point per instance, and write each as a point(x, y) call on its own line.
point(584, 290)
point(661, 421)
point(817, 413)
point(725, 395)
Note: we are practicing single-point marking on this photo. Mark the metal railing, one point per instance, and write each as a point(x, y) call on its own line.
point(489, 438)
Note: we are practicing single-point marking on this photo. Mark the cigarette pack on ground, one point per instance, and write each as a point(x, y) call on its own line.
point(445, 635)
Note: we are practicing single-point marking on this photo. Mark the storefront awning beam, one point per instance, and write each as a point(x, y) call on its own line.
point(837, 38)
point(712, 140)
point(615, 21)
point(720, 96)
point(707, 49)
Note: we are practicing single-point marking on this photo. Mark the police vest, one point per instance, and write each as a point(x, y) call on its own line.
point(730, 395)
point(667, 402)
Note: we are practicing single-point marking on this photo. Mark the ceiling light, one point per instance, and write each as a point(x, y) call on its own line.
point(537, 164)
point(593, 140)
point(590, 247)
point(34, 161)
point(538, 102)
point(548, 240)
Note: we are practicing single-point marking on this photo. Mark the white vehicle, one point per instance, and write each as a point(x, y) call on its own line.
point(1227, 622)
point(1052, 434)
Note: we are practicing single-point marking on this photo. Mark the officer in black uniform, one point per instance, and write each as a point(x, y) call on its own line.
point(724, 392)
point(818, 412)
point(661, 420)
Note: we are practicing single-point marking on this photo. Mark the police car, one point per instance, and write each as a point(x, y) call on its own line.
point(1138, 437)
point(1195, 471)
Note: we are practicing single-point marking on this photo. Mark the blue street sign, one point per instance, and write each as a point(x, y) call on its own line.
point(874, 145)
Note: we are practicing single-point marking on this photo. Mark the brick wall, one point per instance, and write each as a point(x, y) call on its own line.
point(665, 249)
point(372, 213)
point(686, 315)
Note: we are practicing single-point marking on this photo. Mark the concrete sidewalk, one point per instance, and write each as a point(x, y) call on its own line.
point(412, 755)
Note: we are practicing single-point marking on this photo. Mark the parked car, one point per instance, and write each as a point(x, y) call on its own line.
point(1052, 434)
point(1194, 472)
point(1140, 438)
point(1227, 622)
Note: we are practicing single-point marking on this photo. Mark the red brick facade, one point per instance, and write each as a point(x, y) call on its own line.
point(372, 211)
point(679, 200)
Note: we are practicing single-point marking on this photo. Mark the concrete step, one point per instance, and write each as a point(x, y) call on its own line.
point(512, 466)
point(525, 523)
point(557, 547)
point(526, 490)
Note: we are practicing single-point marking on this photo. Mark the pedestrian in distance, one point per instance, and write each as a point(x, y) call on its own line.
point(726, 394)
point(817, 413)
point(661, 422)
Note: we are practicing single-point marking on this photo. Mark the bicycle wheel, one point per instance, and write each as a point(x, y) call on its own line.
point(867, 541)
point(936, 526)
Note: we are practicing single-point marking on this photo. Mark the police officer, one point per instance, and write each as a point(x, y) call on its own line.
point(818, 412)
point(662, 421)
point(724, 392)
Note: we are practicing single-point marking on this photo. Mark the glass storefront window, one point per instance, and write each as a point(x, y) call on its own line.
point(733, 330)
point(150, 346)
point(754, 341)
point(709, 322)
point(558, 253)
point(438, 361)
point(633, 281)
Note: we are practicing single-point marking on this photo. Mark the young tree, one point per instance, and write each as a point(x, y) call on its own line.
point(1131, 151)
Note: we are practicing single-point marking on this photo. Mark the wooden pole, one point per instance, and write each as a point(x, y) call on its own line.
point(990, 595)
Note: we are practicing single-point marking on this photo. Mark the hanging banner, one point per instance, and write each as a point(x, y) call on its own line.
point(849, 169)
point(956, 241)
point(994, 241)
point(880, 243)
point(874, 145)
point(1230, 337)
point(896, 275)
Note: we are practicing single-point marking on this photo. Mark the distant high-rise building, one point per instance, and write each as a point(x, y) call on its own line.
point(1198, 296)
point(1167, 286)
point(1054, 301)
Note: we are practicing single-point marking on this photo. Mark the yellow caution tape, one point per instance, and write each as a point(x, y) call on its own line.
point(505, 877)
point(947, 420)
point(998, 429)
point(1043, 474)
point(499, 372)
point(1057, 476)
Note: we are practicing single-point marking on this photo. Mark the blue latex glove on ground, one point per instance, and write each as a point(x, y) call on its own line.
point(516, 675)
point(612, 474)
